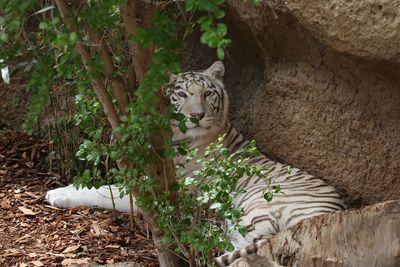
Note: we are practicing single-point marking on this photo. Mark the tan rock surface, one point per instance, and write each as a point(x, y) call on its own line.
point(366, 237)
point(322, 110)
point(368, 28)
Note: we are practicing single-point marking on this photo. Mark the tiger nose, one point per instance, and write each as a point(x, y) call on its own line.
point(198, 116)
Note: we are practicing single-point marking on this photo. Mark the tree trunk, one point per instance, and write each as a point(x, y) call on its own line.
point(166, 256)
point(365, 237)
point(163, 169)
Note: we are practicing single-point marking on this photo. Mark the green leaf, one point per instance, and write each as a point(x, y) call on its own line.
point(175, 187)
point(268, 196)
point(219, 14)
point(194, 120)
point(221, 29)
point(220, 53)
point(215, 206)
point(242, 230)
point(189, 181)
point(182, 126)
point(44, 25)
point(3, 37)
point(276, 188)
point(73, 37)
point(182, 151)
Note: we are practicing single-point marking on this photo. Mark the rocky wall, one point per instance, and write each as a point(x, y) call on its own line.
point(318, 88)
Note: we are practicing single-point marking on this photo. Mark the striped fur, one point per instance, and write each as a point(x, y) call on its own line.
point(303, 195)
point(202, 94)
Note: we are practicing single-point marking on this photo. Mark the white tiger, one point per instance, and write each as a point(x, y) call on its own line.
point(202, 95)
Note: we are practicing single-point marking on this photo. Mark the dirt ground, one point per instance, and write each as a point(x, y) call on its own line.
point(14, 103)
point(34, 233)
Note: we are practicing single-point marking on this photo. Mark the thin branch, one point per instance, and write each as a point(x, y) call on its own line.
point(140, 57)
point(131, 81)
point(98, 83)
point(117, 84)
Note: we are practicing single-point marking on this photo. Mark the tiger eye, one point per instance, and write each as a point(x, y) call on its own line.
point(182, 94)
point(207, 93)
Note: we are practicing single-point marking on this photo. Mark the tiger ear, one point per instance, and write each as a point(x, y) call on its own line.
point(216, 70)
point(167, 88)
point(172, 77)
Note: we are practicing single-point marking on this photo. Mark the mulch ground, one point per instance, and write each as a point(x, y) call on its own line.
point(33, 233)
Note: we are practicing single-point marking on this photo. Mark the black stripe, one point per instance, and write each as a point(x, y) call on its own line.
point(261, 219)
point(306, 216)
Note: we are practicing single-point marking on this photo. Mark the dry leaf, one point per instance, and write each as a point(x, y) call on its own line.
point(51, 207)
point(37, 263)
point(113, 246)
point(103, 214)
point(71, 249)
point(12, 252)
point(96, 228)
point(36, 234)
point(32, 195)
point(85, 211)
point(26, 211)
point(22, 224)
point(114, 229)
point(14, 166)
point(78, 231)
point(68, 262)
point(26, 236)
point(6, 204)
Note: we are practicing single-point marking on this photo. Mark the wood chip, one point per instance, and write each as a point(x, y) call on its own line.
point(6, 204)
point(77, 236)
point(71, 249)
point(114, 229)
point(113, 246)
point(98, 230)
point(37, 263)
point(26, 211)
point(26, 236)
point(32, 195)
point(85, 211)
point(12, 252)
point(51, 207)
point(69, 262)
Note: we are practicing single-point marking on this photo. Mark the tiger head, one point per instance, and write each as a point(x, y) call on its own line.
point(199, 95)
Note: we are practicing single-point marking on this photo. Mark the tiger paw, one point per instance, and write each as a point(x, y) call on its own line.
point(64, 197)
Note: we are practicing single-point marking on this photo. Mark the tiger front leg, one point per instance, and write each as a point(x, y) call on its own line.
point(71, 197)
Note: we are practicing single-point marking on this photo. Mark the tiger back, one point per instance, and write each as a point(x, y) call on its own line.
point(202, 95)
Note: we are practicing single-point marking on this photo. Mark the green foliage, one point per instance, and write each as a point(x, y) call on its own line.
point(48, 54)
point(19, 46)
point(257, 2)
point(213, 34)
point(207, 199)
point(13, 15)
